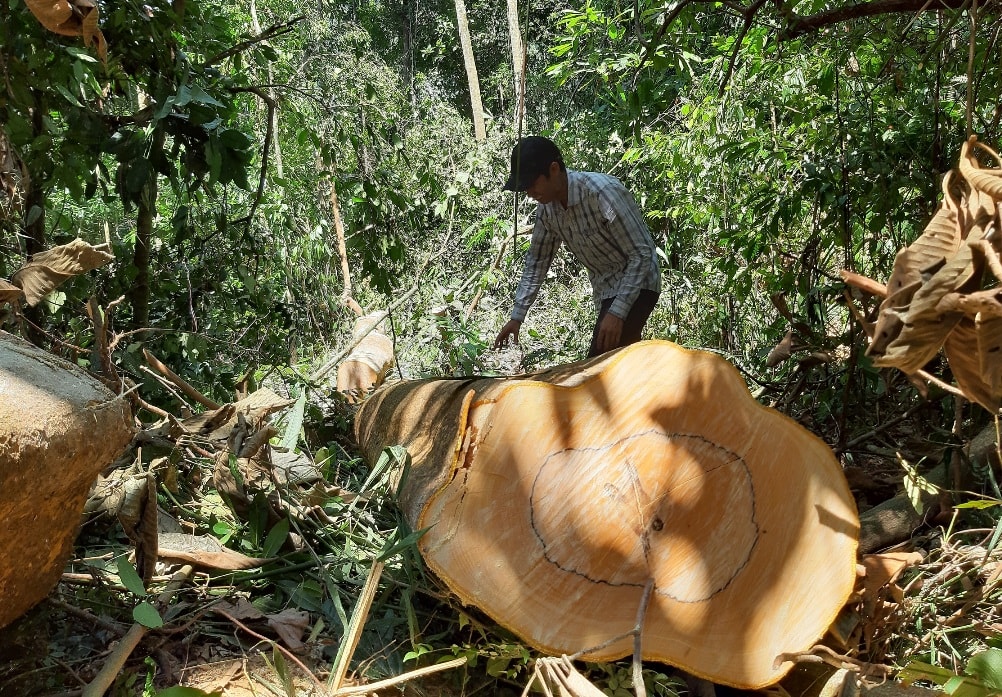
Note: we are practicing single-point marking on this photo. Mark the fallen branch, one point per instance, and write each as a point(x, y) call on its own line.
point(111, 670)
point(822, 654)
point(179, 381)
point(354, 631)
point(391, 682)
point(867, 285)
point(285, 652)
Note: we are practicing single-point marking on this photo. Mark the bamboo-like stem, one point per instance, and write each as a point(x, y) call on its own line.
point(103, 680)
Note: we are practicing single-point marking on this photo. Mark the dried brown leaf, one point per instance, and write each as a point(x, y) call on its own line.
point(217, 424)
point(146, 546)
point(243, 609)
point(940, 239)
point(965, 363)
point(205, 551)
point(54, 15)
point(290, 625)
point(925, 327)
point(49, 269)
point(984, 303)
point(72, 18)
point(782, 351)
point(986, 180)
point(9, 293)
point(989, 349)
point(890, 319)
point(918, 343)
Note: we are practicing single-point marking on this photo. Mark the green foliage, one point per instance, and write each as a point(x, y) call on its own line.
point(982, 676)
point(765, 164)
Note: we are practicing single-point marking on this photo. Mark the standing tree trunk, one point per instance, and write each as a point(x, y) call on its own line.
point(517, 62)
point(34, 219)
point(139, 293)
point(554, 502)
point(272, 113)
point(471, 72)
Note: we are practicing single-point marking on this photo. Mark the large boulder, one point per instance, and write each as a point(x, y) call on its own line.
point(59, 427)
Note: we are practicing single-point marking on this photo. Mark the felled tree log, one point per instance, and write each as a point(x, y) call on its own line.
point(552, 501)
point(58, 428)
point(368, 363)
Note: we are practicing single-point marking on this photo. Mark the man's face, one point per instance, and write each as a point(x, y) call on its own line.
point(544, 189)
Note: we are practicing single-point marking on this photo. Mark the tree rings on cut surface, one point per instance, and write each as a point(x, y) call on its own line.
point(552, 500)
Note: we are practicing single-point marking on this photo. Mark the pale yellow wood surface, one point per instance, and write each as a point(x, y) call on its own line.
point(553, 503)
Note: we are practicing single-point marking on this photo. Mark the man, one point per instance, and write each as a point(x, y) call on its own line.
point(599, 221)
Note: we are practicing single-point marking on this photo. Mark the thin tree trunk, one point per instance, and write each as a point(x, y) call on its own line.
point(139, 293)
point(34, 221)
point(517, 61)
point(272, 113)
point(471, 72)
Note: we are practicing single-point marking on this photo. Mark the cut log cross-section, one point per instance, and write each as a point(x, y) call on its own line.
point(552, 501)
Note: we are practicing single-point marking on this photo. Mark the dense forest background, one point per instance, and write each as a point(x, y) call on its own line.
point(218, 147)
point(222, 149)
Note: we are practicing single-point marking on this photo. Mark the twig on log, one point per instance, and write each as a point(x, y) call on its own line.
point(635, 632)
point(638, 628)
point(285, 652)
point(945, 386)
point(103, 680)
point(164, 383)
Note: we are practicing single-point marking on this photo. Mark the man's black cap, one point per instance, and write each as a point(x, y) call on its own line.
point(531, 157)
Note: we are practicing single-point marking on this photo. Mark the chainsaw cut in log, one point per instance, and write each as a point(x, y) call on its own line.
point(552, 501)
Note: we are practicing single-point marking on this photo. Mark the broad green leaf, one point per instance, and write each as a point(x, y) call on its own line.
point(147, 615)
point(987, 667)
point(295, 423)
point(68, 95)
point(130, 578)
point(276, 538)
point(917, 670)
point(978, 505)
point(497, 665)
point(393, 545)
point(961, 686)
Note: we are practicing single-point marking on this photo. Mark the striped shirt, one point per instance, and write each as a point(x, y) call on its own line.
point(604, 229)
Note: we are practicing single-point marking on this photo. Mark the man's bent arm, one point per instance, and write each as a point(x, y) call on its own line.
point(542, 249)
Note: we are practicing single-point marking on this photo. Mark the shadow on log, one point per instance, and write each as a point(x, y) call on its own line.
point(552, 500)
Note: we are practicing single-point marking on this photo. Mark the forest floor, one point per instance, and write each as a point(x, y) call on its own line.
point(267, 619)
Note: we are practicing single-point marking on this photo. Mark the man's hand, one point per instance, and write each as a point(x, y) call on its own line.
point(508, 330)
point(609, 332)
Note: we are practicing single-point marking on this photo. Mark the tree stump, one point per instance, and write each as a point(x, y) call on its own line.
point(58, 428)
point(552, 501)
